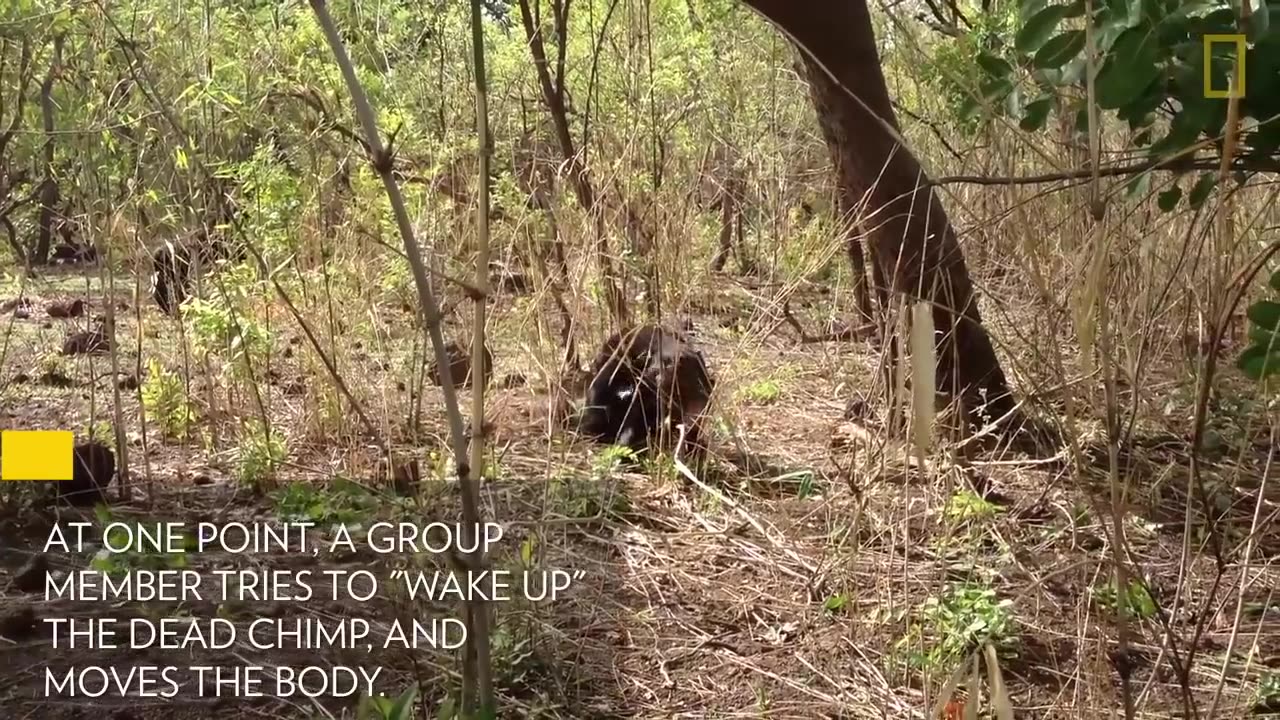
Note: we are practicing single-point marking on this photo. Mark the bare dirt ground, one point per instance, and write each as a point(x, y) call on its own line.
point(798, 586)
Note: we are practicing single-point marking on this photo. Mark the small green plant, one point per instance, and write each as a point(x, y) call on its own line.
point(762, 392)
point(277, 196)
point(968, 506)
point(576, 496)
point(492, 466)
point(385, 708)
point(259, 455)
point(763, 703)
point(955, 624)
point(441, 467)
point(164, 396)
point(1267, 698)
point(1135, 602)
point(52, 364)
point(804, 483)
point(342, 502)
point(609, 460)
point(660, 466)
point(103, 432)
point(836, 604)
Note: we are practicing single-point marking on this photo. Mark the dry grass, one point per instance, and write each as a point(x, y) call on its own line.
point(788, 591)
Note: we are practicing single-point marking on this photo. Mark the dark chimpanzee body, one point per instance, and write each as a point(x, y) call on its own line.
point(93, 467)
point(71, 253)
point(173, 267)
point(644, 383)
point(170, 274)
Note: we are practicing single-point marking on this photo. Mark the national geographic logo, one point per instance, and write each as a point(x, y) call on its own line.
point(1233, 90)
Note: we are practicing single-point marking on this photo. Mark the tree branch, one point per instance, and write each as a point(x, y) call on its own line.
point(1168, 165)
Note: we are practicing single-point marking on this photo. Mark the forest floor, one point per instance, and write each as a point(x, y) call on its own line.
point(815, 575)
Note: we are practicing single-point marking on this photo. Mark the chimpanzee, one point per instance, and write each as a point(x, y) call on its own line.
point(173, 263)
point(170, 275)
point(645, 382)
point(72, 252)
point(95, 340)
point(65, 308)
point(93, 467)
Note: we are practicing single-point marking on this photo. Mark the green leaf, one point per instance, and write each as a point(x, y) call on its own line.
point(1059, 50)
point(1073, 73)
point(1168, 200)
point(995, 67)
point(1221, 21)
point(1200, 192)
point(1257, 363)
point(1195, 115)
point(1265, 314)
point(1265, 338)
point(1139, 186)
point(1129, 70)
point(1109, 31)
point(1193, 9)
point(1259, 21)
point(1275, 280)
point(995, 89)
point(447, 710)
point(1039, 28)
point(403, 708)
point(1028, 8)
point(1035, 113)
point(526, 551)
point(1013, 106)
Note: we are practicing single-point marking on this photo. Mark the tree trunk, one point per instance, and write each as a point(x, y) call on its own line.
point(847, 202)
point(50, 196)
point(913, 243)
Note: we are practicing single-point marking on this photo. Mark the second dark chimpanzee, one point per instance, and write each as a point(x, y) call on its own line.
point(170, 273)
point(94, 467)
point(174, 265)
point(645, 382)
point(71, 253)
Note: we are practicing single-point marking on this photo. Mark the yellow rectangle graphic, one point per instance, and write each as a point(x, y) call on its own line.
point(36, 454)
point(1236, 87)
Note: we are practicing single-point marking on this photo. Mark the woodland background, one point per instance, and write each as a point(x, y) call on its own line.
point(1114, 551)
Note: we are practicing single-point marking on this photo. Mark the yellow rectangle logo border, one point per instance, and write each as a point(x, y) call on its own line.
point(1237, 39)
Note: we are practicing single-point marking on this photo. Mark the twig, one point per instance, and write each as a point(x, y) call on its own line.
point(1174, 164)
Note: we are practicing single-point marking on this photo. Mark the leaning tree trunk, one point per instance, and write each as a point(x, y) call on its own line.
point(913, 243)
point(847, 201)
